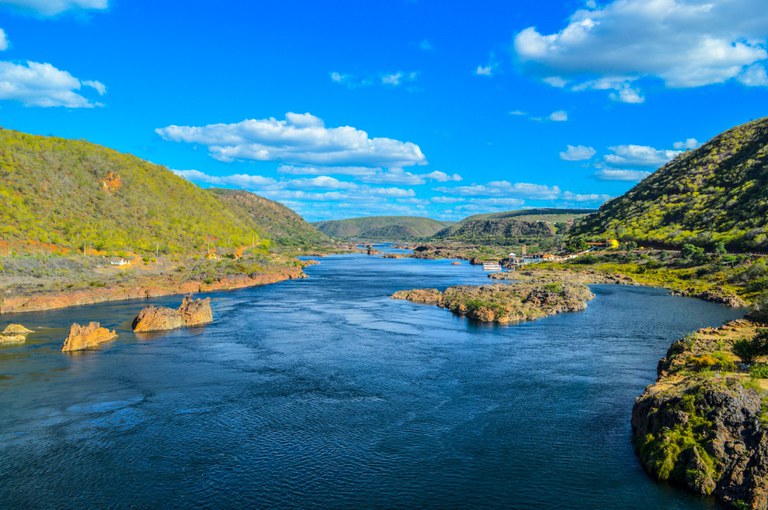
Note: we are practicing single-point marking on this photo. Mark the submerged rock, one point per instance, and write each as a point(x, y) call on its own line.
point(192, 312)
point(85, 337)
point(14, 334)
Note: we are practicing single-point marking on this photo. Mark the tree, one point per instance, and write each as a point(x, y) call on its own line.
point(692, 253)
point(576, 244)
point(749, 349)
point(719, 249)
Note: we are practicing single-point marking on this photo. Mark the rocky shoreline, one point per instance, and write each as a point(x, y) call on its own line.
point(505, 303)
point(704, 423)
point(165, 285)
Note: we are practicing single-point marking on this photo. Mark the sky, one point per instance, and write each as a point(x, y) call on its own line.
point(343, 108)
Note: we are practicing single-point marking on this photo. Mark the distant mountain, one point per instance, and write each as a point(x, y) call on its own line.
point(271, 219)
point(718, 192)
point(381, 228)
point(59, 195)
point(511, 227)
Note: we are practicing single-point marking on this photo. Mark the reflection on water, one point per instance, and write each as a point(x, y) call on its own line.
point(326, 393)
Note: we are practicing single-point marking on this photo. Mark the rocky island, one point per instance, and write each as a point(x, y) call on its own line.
point(704, 423)
point(85, 337)
point(192, 312)
point(14, 334)
point(505, 303)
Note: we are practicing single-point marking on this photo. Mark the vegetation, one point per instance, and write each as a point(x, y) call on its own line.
point(534, 227)
point(505, 303)
point(64, 195)
point(272, 220)
point(381, 228)
point(711, 197)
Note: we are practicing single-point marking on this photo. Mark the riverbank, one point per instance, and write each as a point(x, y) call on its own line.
point(704, 423)
point(116, 284)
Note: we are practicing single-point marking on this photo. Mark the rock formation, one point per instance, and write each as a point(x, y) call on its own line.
point(505, 303)
point(192, 312)
point(85, 337)
point(14, 334)
point(703, 424)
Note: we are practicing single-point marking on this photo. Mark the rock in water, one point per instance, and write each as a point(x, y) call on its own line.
point(85, 337)
point(14, 334)
point(196, 312)
point(192, 312)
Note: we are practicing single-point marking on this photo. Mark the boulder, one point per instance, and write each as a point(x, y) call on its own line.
point(14, 334)
point(192, 312)
point(85, 337)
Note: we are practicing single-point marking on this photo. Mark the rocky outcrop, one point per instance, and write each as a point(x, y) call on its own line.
point(505, 303)
point(704, 423)
point(14, 334)
point(86, 337)
point(192, 312)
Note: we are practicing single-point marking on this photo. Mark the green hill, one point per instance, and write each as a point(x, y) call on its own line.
point(717, 193)
point(58, 194)
point(511, 227)
point(381, 228)
point(271, 219)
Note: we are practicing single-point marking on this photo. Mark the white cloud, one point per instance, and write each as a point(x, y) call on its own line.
point(610, 174)
point(425, 45)
point(3, 40)
point(685, 43)
point(689, 143)
point(582, 198)
point(239, 180)
point(447, 200)
point(639, 155)
point(386, 79)
point(518, 113)
point(53, 7)
point(372, 175)
point(518, 189)
point(484, 70)
point(300, 138)
point(577, 153)
point(41, 84)
point(558, 116)
point(754, 76)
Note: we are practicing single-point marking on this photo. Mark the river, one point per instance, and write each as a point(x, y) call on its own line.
point(326, 393)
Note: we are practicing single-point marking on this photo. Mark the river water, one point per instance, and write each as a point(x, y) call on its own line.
point(325, 393)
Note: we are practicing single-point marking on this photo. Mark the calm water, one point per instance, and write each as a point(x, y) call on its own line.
point(325, 393)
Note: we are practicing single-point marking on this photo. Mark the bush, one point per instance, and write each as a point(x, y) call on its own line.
point(749, 349)
point(759, 371)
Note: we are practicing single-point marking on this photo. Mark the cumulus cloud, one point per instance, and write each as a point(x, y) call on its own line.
point(41, 84)
point(639, 155)
point(611, 174)
point(3, 40)
point(239, 180)
point(577, 153)
point(299, 139)
point(685, 43)
point(54, 7)
point(518, 190)
point(374, 175)
point(558, 116)
point(689, 143)
point(585, 198)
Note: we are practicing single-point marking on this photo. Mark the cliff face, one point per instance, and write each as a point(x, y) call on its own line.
point(704, 423)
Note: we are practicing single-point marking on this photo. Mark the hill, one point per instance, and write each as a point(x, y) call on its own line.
point(511, 227)
point(272, 220)
point(60, 195)
point(716, 193)
point(381, 228)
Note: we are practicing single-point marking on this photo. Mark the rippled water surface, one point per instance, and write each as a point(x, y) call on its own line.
point(324, 392)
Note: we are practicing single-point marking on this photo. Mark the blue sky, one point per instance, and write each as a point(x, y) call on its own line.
point(431, 108)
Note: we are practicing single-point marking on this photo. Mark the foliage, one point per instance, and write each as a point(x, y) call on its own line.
point(58, 194)
point(381, 228)
point(576, 244)
point(714, 194)
point(270, 220)
point(748, 349)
